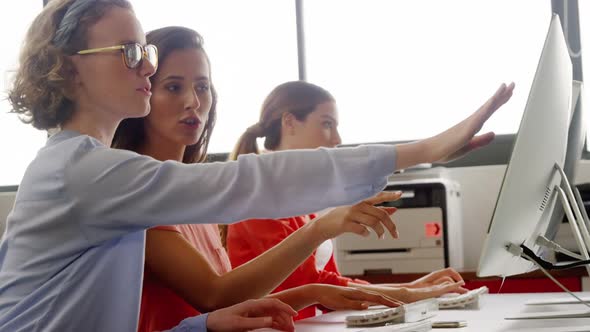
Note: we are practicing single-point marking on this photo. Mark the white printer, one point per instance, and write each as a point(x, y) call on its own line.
point(430, 229)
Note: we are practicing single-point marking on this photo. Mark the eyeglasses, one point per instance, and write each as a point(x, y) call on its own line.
point(133, 53)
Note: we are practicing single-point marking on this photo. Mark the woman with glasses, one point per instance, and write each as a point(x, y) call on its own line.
point(72, 255)
point(71, 258)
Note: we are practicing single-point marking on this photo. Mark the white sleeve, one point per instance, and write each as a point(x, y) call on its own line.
point(123, 191)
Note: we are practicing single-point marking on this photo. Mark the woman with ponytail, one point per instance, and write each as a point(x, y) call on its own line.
point(292, 100)
point(300, 115)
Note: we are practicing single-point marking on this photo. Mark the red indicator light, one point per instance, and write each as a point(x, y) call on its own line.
point(433, 229)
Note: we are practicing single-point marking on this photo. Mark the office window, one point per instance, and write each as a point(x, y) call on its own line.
point(584, 10)
point(404, 70)
point(18, 142)
point(252, 46)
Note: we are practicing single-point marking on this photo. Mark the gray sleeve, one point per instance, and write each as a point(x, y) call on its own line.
point(121, 191)
point(192, 324)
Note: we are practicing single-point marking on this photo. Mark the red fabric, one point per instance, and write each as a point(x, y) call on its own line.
point(248, 239)
point(526, 285)
point(161, 308)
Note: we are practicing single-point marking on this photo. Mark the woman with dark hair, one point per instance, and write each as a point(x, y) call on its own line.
point(186, 44)
point(187, 269)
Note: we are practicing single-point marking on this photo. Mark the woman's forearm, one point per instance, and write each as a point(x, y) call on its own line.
point(394, 285)
point(298, 297)
point(266, 272)
point(398, 293)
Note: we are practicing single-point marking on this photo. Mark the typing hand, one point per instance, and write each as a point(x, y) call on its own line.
point(448, 275)
point(253, 314)
point(413, 294)
point(421, 293)
point(348, 298)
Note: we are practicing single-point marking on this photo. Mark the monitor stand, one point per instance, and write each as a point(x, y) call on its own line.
point(578, 220)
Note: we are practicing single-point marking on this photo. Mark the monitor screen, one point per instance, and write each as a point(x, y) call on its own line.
point(527, 196)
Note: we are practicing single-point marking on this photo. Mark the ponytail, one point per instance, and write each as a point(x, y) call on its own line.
point(247, 142)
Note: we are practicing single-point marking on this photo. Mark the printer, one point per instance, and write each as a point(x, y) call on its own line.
point(429, 223)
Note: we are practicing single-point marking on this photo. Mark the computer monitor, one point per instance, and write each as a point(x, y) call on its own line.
point(527, 196)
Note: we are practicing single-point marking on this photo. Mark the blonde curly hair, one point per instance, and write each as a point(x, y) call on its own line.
point(41, 92)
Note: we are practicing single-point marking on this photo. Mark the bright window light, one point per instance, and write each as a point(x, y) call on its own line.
point(403, 70)
point(19, 142)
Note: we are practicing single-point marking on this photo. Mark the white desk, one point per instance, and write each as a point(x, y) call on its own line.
point(489, 318)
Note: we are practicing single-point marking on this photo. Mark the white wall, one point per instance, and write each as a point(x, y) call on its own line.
point(480, 186)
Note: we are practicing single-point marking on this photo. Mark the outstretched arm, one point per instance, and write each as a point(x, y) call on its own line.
point(457, 140)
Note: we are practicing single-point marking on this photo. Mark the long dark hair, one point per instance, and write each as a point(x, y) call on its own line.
point(130, 134)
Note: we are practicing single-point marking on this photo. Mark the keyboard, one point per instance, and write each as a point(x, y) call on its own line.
point(469, 300)
point(407, 313)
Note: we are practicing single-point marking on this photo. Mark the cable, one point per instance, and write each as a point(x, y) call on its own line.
point(544, 242)
point(531, 256)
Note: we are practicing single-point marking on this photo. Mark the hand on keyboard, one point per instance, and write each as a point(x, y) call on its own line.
point(470, 299)
point(411, 312)
point(448, 275)
point(410, 294)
